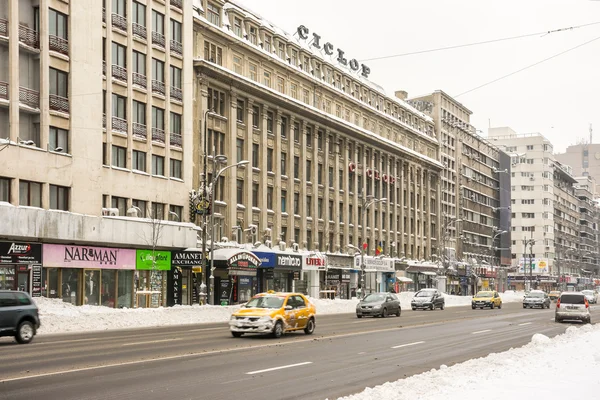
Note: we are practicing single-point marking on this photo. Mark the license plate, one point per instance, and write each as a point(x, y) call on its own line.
point(571, 308)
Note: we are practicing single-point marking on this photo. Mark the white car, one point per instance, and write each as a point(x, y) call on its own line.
point(591, 296)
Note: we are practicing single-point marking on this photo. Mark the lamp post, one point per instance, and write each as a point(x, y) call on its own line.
point(530, 243)
point(220, 159)
point(449, 221)
point(559, 262)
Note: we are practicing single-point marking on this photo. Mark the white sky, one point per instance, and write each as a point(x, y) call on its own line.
point(557, 98)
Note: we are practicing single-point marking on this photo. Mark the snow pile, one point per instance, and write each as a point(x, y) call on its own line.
point(562, 367)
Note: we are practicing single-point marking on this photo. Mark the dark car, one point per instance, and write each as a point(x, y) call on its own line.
point(18, 316)
point(379, 305)
point(428, 299)
point(536, 298)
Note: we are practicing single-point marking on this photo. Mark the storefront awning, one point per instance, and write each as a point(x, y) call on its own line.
point(237, 258)
point(428, 273)
point(404, 279)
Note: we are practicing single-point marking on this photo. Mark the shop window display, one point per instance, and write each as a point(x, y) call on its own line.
point(70, 286)
point(51, 287)
point(108, 290)
point(7, 278)
point(125, 289)
point(92, 287)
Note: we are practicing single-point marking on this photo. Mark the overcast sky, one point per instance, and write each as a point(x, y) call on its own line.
point(558, 98)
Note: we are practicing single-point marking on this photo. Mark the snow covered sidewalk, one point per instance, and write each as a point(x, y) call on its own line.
point(60, 317)
point(564, 367)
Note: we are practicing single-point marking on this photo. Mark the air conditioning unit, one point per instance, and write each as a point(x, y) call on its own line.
point(110, 212)
point(295, 247)
point(531, 178)
point(269, 244)
point(282, 246)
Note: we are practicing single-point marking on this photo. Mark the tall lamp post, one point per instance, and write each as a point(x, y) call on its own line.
point(559, 262)
point(530, 243)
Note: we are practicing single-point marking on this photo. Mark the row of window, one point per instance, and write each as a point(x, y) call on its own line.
point(145, 209)
point(138, 161)
point(30, 194)
point(138, 109)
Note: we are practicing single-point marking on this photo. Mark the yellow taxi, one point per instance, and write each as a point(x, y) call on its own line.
point(274, 313)
point(554, 295)
point(486, 298)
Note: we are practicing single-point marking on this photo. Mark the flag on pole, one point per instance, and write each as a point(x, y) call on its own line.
point(379, 249)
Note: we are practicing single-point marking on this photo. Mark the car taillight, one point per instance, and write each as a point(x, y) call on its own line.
point(587, 304)
point(558, 303)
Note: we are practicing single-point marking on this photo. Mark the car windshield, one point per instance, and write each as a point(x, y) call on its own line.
point(484, 294)
point(425, 293)
point(265, 302)
point(536, 294)
point(572, 299)
point(374, 297)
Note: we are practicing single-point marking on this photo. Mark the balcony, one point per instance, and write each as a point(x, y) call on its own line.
point(59, 45)
point(3, 90)
point(3, 27)
point(119, 73)
point(175, 140)
point(103, 68)
point(176, 94)
point(29, 37)
point(119, 125)
point(28, 97)
point(139, 79)
point(158, 87)
point(119, 22)
point(139, 130)
point(58, 103)
point(177, 4)
point(158, 39)
point(139, 31)
point(176, 47)
point(104, 121)
point(158, 135)
point(103, 14)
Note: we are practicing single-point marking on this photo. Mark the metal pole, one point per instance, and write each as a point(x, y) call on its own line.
point(204, 193)
point(212, 254)
point(530, 264)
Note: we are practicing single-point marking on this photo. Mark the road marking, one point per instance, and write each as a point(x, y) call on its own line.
point(406, 345)
point(475, 333)
point(525, 323)
point(277, 368)
point(64, 341)
point(151, 341)
point(362, 352)
point(206, 329)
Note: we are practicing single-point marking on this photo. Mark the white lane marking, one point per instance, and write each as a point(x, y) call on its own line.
point(359, 322)
point(277, 368)
point(406, 345)
point(64, 341)
point(486, 330)
point(362, 352)
point(206, 329)
point(151, 341)
point(525, 323)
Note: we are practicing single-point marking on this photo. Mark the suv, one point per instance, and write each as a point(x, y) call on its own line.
point(18, 316)
point(572, 305)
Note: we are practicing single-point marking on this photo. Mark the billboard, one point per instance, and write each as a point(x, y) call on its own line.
point(538, 266)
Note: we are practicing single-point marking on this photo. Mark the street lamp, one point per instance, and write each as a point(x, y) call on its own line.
point(452, 220)
point(530, 243)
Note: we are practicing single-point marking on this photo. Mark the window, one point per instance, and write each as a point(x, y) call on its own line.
point(283, 170)
point(139, 13)
point(158, 70)
point(217, 141)
point(308, 170)
point(309, 137)
point(331, 177)
point(237, 64)
point(141, 204)
point(296, 167)
point(296, 132)
point(158, 210)
point(267, 43)
point(270, 198)
point(158, 122)
point(283, 127)
point(138, 160)
point(58, 138)
point(30, 194)
point(175, 129)
point(255, 116)
point(240, 111)
point(158, 23)
point(309, 206)
point(175, 168)
point(320, 174)
point(281, 50)
point(119, 7)
point(5, 189)
point(213, 14)
point(294, 59)
point(139, 63)
point(158, 165)
point(59, 86)
point(139, 114)
point(252, 36)
point(320, 140)
point(57, 24)
point(175, 77)
point(270, 121)
point(239, 144)
point(119, 156)
point(280, 84)
point(267, 78)
point(240, 191)
point(59, 198)
point(119, 55)
point(176, 31)
point(255, 195)
point(296, 203)
point(119, 203)
point(529, 147)
point(175, 213)
point(284, 201)
point(213, 53)
point(253, 72)
point(305, 96)
point(255, 155)
point(237, 27)
point(216, 101)
point(294, 90)
point(320, 208)
point(269, 160)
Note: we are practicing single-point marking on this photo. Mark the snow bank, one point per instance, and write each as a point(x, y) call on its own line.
point(562, 367)
point(57, 316)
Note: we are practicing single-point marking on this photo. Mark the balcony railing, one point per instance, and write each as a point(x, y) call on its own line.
point(158, 135)
point(58, 103)
point(103, 68)
point(175, 139)
point(3, 27)
point(158, 87)
point(176, 93)
point(119, 73)
point(119, 125)
point(176, 47)
point(139, 79)
point(177, 4)
point(158, 39)
point(29, 37)
point(139, 30)
point(119, 22)
point(4, 90)
point(29, 97)
point(103, 14)
point(104, 121)
point(59, 45)
point(139, 130)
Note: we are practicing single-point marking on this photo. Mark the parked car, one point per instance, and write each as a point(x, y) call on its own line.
point(274, 313)
point(486, 298)
point(536, 298)
point(428, 299)
point(378, 305)
point(572, 305)
point(591, 296)
point(554, 295)
point(19, 316)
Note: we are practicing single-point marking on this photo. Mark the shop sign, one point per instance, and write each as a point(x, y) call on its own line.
point(289, 261)
point(69, 256)
point(161, 261)
point(333, 277)
point(314, 263)
point(174, 282)
point(36, 281)
point(267, 259)
point(372, 263)
point(339, 262)
point(243, 260)
point(224, 291)
point(20, 253)
point(186, 258)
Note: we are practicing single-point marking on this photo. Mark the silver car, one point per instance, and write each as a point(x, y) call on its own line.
point(379, 305)
point(572, 305)
point(536, 298)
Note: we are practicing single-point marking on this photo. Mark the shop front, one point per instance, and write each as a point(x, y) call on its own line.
point(313, 267)
point(20, 263)
point(88, 275)
point(183, 287)
point(150, 278)
point(235, 276)
point(338, 276)
point(287, 274)
point(377, 273)
point(265, 273)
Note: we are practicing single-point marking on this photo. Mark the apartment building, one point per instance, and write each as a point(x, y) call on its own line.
point(94, 129)
point(584, 158)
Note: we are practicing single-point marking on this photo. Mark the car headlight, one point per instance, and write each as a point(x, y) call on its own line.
point(265, 318)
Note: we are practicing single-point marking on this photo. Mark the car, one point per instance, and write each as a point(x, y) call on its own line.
point(536, 298)
point(19, 316)
point(591, 296)
point(428, 299)
point(572, 305)
point(554, 295)
point(274, 313)
point(486, 298)
point(378, 305)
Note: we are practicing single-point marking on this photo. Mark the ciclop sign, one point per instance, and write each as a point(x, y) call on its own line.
point(373, 174)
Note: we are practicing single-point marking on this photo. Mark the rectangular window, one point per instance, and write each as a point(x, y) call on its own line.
point(296, 132)
point(255, 116)
point(270, 198)
point(5, 189)
point(269, 121)
point(119, 7)
point(284, 201)
point(30, 194)
point(175, 213)
point(175, 77)
point(119, 156)
point(320, 208)
point(59, 83)
point(267, 78)
point(296, 167)
point(309, 206)
point(255, 195)
point(267, 44)
point(158, 211)
point(320, 174)
point(280, 84)
point(138, 160)
point(283, 170)
point(119, 55)
point(213, 14)
point(158, 70)
point(270, 160)
point(176, 31)
point(330, 177)
point(139, 63)
point(284, 127)
point(59, 198)
point(139, 13)
point(213, 53)
point(57, 24)
point(255, 155)
point(309, 136)
point(296, 203)
point(240, 111)
point(158, 23)
point(158, 165)
point(216, 101)
point(141, 204)
point(253, 68)
point(138, 110)
point(237, 64)
point(294, 90)
point(58, 139)
point(240, 191)
point(237, 27)
point(253, 35)
point(239, 144)
point(175, 168)
point(308, 170)
point(175, 123)
point(119, 203)
point(158, 119)
point(305, 96)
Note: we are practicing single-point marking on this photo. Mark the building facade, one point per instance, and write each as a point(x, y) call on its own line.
point(584, 158)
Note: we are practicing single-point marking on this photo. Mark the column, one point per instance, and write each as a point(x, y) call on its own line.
point(346, 197)
point(263, 173)
point(231, 174)
point(249, 167)
point(13, 71)
point(302, 196)
point(291, 182)
point(326, 164)
point(336, 193)
point(429, 177)
point(276, 228)
point(402, 228)
point(44, 80)
point(355, 200)
point(315, 190)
